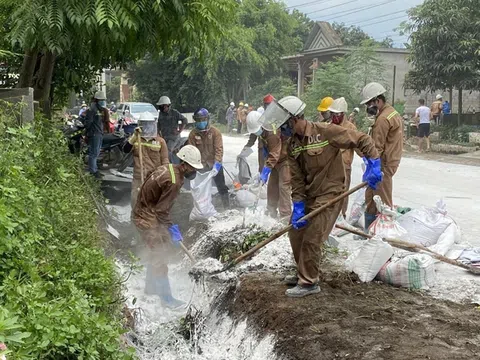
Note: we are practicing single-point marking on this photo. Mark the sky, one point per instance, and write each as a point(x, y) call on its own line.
point(378, 18)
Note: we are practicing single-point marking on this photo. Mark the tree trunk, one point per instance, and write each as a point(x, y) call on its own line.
point(460, 106)
point(28, 68)
point(43, 82)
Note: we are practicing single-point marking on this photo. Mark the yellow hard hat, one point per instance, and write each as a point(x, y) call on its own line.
point(325, 104)
point(241, 103)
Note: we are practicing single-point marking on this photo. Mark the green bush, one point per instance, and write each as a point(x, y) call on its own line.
point(62, 292)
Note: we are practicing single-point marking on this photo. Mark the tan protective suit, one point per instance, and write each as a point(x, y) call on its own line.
point(210, 144)
point(347, 156)
point(387, 132)
point(278, 188)
point(151, 214)
point(318, 176)
point(154, 154)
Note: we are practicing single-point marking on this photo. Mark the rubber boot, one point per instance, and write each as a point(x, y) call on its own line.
point(163, 290)
point(150, 282)
point(369, 219)
point(301, 291)
point(225, 201)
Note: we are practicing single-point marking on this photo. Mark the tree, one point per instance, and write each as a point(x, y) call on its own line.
point(109, 32)
point(444, 46)
point(354, 36)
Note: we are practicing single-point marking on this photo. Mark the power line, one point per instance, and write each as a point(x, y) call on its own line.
point(316, 11)
point(309, 3)
point(380, 22)
point(376, 17)
point(355, 10)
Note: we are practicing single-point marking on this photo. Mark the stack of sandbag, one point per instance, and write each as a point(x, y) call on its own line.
point(431, 227)
point(367, 261)
point(416, 271)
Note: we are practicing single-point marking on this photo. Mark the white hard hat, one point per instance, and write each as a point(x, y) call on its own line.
point(253, 122)
point(371, 91)
point(100, 95)
point(112, 103)
point(232, 104)
point(339, 106)
point(261, 109)
point(293, 105)
point(356, 110)
point(438, 97)
point(191, 155)
point(246, 105)
point(164, 100)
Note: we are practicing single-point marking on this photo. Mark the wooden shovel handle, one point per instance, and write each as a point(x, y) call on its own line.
point(289, 227)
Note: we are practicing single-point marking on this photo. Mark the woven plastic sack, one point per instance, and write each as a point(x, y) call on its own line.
point(245, 198)
point(386, 224)
point(367, 261)
point(201, 188)
point(358, 209)
point(415, 271)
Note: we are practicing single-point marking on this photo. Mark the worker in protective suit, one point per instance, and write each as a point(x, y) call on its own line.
point(353, 116)
point(151, 216)
point(338, 111)
point(323, 113)
point(318, 175)
point(208, 139)
point(241, 117)
point(154, 151)
point(387, 132)
point(273, 166)
point(170, 125)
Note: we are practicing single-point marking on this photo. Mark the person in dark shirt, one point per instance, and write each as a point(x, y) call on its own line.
point(97, 119)
point(170, 125)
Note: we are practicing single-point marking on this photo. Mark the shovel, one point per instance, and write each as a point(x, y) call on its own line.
point(236, 184)
point(415, 248)
point(275, 236)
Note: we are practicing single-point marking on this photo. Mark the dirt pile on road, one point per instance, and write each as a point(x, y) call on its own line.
point(357, 321)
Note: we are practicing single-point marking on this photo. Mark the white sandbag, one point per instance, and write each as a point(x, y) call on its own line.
point(245, 198)
point(386, 225)
point(450, 236)
point(415, 271)
point(201, 188)
point(425, 225)
point(358, 209)
point(367, 261)
point(339, 232)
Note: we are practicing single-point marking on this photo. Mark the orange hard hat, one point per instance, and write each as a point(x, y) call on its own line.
point(268, 99)
point(325, 104)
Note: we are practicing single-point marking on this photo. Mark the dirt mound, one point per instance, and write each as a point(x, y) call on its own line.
point(357, 321)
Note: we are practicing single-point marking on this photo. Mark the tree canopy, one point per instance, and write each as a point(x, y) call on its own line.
point(354, 36)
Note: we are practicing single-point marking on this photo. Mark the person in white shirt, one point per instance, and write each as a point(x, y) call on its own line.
point(422, 119)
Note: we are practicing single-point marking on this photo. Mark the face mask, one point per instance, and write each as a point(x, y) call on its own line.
point(190, 175)
point(337, 119)
point(286, 130)
point(259, 132)
point(201, 125)
point(102, 103)
point(372, 110)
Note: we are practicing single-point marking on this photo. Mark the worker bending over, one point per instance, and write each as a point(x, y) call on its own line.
point(151, 216)
point(208, 139)
point(387, 133)
point(318, 176)
point(338, 111)
point(154, 151)
point(273, 166)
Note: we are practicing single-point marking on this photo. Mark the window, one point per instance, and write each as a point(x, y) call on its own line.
point(140, 108)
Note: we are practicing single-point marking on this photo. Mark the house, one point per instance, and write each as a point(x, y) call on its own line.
point(324, 44)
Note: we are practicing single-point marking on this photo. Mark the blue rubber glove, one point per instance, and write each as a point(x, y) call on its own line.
point(265, 174)
point(298, 213)
point(373, 172)
point(216, 168)
point(175, 234)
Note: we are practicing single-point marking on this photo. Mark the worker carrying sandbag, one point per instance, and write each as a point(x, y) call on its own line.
point(208, 139)
point(273, 166)
point(387, 132)
point(151, 216)
point(318, 176)
point(154, 151)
